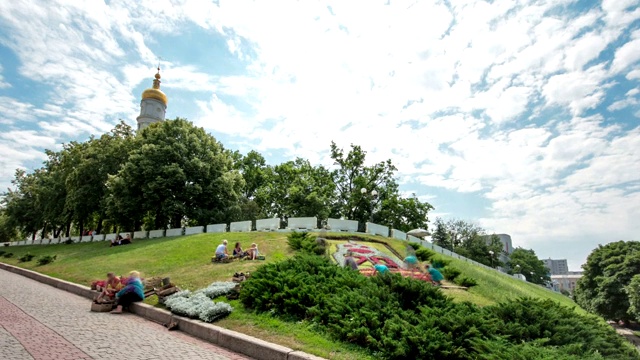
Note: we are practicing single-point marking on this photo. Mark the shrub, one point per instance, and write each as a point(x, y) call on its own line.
point(26, 257)
point(197, 305)
point(450, 273)
point(415, 246)
point(8, 255)
point(68, 241)
point(47, 259)
point(466, 281)
point(425, 254)
point(2, 252)
point(439, 262)
point(304, 242)
point(218, 289)
point(402, 318)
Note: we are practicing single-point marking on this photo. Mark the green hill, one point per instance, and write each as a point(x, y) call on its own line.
point(187, 261)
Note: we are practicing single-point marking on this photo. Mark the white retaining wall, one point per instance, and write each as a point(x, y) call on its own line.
point(55, 241)
point(86, 238)
point(216, 228)
point(303, 223)
point(397, 234)
point(174, 232)
point(375, 229)
point(342, 225)
point(140, 234)
point(154, 234)
point(194, 230)
point(110, 237)
point(75, 239)
point(240, 226)
point(99, 237)
point(267, 224)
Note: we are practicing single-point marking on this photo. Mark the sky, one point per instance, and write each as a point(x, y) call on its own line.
point(521, 116)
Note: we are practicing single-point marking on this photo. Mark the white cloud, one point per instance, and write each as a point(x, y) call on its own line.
point(442, 88)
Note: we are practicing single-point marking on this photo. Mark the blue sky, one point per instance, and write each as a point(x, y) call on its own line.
point(522, 116)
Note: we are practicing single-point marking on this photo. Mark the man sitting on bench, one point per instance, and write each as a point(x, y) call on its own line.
point(221, 251)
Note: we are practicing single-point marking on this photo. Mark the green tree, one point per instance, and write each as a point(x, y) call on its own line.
point(403, 214)
point(441, 236)
point(352, 175)
point(485, 249)
point(22, 204)
point(297, 189)
point(607, 272)
point(86, 185)
point(8, 232)
point(633, 292)
point(176, 172)
point(524, 261)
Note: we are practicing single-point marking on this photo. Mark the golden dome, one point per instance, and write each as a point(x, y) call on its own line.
point(155, 92)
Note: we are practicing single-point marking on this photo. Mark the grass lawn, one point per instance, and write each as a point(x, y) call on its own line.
point(187, 260)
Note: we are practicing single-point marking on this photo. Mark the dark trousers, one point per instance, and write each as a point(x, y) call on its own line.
point(127, 299)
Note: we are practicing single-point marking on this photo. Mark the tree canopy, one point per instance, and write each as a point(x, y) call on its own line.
point(526, 262)
point(608, 273)
point(174, 174)
point(469, 240)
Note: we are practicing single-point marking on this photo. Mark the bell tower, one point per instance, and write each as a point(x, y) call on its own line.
point(153, 106)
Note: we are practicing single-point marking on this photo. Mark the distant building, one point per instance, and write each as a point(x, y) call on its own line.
point(507, 246)
point(565, 282)
point(557, 267)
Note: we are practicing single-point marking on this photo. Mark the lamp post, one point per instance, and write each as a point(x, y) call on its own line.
point(517, 269)
point(373, 197)
point(491, 255)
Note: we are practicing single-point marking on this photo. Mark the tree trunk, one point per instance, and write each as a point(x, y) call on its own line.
point(99, 228)
point(81, 226)
point(44, 230)
point(68, 231)
point(33, 237)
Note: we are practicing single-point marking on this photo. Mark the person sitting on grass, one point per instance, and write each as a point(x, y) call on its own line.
point(237, 251)
point(221, 250)
point(120, 241)
point(380, 269)
point(112, 286)
point(252, 253)
point(436, 276)
point(132, 292)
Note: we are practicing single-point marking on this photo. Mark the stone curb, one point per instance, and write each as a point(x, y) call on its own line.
point(232, 340)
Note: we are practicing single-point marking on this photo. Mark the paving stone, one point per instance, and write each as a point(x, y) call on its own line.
point(41, 322)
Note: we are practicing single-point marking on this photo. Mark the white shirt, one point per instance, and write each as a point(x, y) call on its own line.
point(220, 249)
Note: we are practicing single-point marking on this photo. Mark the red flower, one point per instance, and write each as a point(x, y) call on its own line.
point(361, 251)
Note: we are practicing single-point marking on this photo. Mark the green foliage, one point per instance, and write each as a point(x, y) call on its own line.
point(2, 252)
point(523, 261)
point(47, 259)
point(8, 231)
point(450, 273)
point(607, 272)
point(439, 262)
point(306, 243)
point(351, 175)
point(26, 257)
point(465, 281)
point(441, 237)
point(424, 254)
point(175, 171)
point(68, 242)
point(415, 246)
point(565, 292)
point(8, 255)
point(633, 292)
point(402, 318)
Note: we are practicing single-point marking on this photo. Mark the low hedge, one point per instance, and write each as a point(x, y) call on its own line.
point(402, 318)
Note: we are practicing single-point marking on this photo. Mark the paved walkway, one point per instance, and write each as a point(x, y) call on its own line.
point(38, 321)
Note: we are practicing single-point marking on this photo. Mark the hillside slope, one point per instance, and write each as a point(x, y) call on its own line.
point(187, 260)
